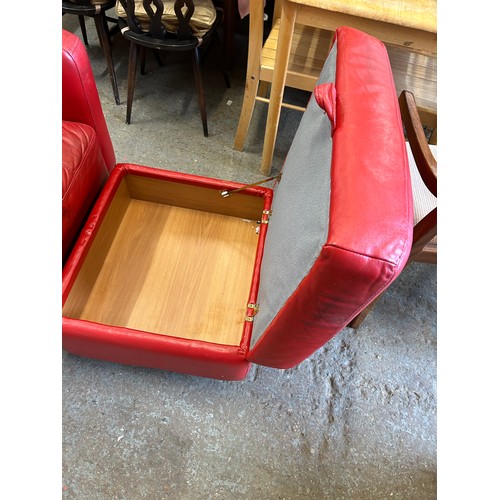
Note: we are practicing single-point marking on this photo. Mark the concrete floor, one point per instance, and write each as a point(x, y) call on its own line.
point(355, 421)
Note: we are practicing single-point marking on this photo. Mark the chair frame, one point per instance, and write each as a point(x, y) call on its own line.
point(425, 230)
point(82, 9)
point(156, 37)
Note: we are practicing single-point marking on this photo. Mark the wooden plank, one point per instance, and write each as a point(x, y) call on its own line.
point(412, 39)
point(416, 73)
point(195, 197)
point(416, 14)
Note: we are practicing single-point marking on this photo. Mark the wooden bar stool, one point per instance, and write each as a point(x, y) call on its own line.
point(309, 49)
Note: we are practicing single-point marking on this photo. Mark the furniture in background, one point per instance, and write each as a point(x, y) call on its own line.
point(407, 24)
point(423, 170)
point(229, 27)
point(87, 151)
point(96, 9)
point(168, 27)
point(308, 52)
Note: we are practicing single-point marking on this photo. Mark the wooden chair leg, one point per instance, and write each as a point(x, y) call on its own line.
point(132, 67)
point(103, 33)
point(142, 57)
point(358, 320)
point(223, 61)
point(81, 19)
point(157, 56)
point(201, 93)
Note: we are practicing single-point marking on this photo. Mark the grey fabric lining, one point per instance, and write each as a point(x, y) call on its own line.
point(298, 227)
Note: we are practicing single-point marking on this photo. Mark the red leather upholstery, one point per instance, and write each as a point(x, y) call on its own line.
point(80, 99)
point(87, 151)
point(83, 174)
point(371, 206)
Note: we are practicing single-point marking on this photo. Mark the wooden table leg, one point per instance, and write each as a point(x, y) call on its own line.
point(288, 15)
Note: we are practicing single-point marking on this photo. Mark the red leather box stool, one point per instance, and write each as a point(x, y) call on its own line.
point(169, 273)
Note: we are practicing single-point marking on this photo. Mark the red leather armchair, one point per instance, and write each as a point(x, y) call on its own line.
point(87, 151)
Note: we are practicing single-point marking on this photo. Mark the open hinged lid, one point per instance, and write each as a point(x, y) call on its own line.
point(342, 215)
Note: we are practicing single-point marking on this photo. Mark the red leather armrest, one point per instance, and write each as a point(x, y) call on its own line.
point(80, 99)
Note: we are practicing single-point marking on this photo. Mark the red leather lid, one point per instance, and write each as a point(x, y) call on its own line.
point(342, 222)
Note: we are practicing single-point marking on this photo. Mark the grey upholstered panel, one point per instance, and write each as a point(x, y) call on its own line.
point(299, 223)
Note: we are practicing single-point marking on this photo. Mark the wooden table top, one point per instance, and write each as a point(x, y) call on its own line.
point(417, 14)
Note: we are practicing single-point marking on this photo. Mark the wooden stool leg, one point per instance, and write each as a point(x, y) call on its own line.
point(201, 93)
point(246, 113)
point(103, 32)
point(253, 72)
point(132, 67)
point(81, 19)
point(278, 84)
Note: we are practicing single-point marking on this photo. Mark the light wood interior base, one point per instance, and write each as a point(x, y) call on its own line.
point(168, 269)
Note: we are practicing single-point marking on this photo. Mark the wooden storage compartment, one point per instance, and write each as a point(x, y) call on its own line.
point(172, 259)
point(169, 274)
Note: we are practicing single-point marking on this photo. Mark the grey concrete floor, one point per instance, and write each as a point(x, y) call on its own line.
point(357, 420)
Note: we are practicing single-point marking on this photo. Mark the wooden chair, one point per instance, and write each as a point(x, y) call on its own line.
point(310, 48)
point(423, 170)
point(96, 9)
point(180, 25)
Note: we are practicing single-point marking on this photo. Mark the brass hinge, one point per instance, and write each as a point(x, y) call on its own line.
point(266, 215)
point(255, 310)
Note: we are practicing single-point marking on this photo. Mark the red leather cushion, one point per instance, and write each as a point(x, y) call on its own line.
point(83, 173)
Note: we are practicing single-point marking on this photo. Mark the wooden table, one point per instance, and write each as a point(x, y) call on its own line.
point(410, 24)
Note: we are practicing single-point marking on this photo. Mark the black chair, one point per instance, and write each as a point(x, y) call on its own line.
point(97, 9)
point(168, 25)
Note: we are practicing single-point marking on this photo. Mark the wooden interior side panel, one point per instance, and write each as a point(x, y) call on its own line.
point(194, 197)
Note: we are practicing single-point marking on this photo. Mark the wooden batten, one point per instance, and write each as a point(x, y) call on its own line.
point(194, 197)
point(171, 259)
